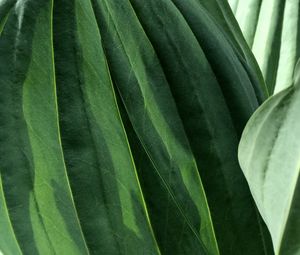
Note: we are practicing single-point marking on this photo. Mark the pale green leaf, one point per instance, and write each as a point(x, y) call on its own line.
point(271, 28)
point(269, 154)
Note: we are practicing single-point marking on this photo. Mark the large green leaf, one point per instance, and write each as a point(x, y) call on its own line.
point(271, 28)
point(95, 146)
point(102, 174)
point(196, 77)
point(269, 154)
point(186, 84)
point(213, 120)
point(152, 112)
point(33, 173)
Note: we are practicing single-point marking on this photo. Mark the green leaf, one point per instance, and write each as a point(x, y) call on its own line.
point(233, 4)
point(194, 78)
point(5, 8)
point(34, 179)
point(137, 73)
point(8, 241)
point(267, 39)
point(200, 87)
point(102, 174)
point(290, 45)
point(271, 28)
point(99, 163)
point(269, 154)
point(247, 13)
point(186, 83)
point(220, 10)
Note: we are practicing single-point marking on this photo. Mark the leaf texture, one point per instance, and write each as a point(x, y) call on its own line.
point(153, 114)
point(33, 173)
point(269, 155)
point(200, 116)
point(271, 28)
point(5, 8)
point(220, 10)
point(119, 131)
point(102, 173)
point(8, 241)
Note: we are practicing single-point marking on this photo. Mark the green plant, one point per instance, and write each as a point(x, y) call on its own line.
point(269, 156)
point(271, 28)
point(119, 129)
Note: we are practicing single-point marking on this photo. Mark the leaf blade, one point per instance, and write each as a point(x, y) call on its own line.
point(151, 115)
point(36, 191)
point(275, 170)
point(95, 146)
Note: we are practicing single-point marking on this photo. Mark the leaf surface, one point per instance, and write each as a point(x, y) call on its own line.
point(145, 93)
point(34, 180)
point(189, 71)
point(271, 28)
point(102, 173)
point(8, 241)
point(269, 154)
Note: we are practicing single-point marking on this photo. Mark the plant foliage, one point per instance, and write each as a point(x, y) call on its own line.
point(269, 155)
point(119, 130)
point(272, 30)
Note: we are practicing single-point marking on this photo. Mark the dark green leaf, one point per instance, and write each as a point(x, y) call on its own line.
point(103, 178)
point(144, 90)
point(34, 179)
point(8, 241)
